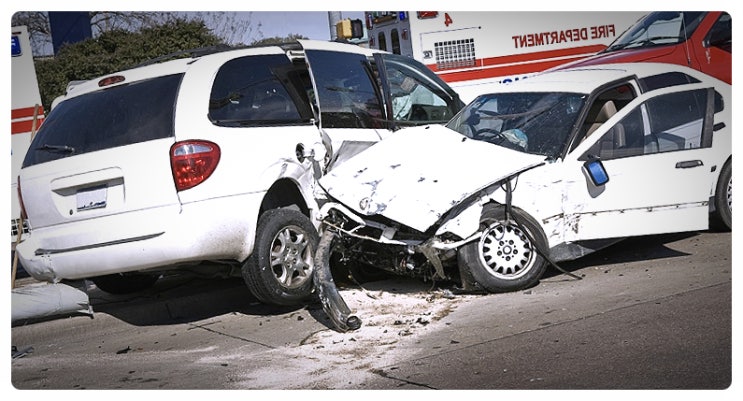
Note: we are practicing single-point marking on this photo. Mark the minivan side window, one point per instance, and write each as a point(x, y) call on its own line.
point(120, 115)
point(248, 91)
point(417, 95)
point(347, 95)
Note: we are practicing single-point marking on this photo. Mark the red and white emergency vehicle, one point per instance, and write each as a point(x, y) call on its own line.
point(469, 49)
point(26, 114)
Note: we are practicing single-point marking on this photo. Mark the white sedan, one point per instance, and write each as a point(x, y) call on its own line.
point(546, 169)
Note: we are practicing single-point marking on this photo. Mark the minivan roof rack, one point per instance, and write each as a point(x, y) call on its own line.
point(193, 53)
point(203, 51)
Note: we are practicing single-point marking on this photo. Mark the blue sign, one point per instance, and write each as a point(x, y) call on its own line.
point(15, 46)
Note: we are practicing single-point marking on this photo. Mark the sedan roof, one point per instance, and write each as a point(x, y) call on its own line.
point(587, 78)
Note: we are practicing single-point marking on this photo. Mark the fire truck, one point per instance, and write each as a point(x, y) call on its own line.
point(470, 49)
point(27, 114)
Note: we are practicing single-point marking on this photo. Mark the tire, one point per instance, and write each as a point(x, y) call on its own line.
point(125, 283)
point(280, 269)
point(505, 259)
point(722, 218)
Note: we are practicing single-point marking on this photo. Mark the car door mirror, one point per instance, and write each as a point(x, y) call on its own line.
point(596, 172)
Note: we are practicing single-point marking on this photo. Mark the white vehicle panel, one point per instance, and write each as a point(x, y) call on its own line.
point(435, 163)
point(53, 193)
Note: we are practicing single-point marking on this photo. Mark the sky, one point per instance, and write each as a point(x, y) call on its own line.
point(311, 24)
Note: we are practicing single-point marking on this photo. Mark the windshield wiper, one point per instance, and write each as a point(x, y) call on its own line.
point(640, 43)
point(57, 148)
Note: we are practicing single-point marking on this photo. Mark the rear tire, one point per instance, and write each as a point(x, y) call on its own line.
point(722, 218)
point(280, 269)
point(505, 258)
point(124, 283)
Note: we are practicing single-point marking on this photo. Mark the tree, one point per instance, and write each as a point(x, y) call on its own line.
point(38, 29)
point(225, 25)
point(278, 40)
point(115, 50)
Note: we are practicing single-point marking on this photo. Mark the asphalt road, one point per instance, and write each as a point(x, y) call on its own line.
point(649, 313)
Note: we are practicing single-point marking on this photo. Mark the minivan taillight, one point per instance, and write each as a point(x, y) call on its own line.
point(192, 162)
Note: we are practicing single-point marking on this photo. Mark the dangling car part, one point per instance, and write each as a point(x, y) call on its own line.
point(332, 302)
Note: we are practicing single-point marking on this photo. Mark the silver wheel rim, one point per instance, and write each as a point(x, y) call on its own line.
point(291, 257)
point(506, 251)
point(730, 195)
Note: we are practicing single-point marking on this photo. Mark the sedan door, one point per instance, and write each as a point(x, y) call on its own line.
point(658, 157)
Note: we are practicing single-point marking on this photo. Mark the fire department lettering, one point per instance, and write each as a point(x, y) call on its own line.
point(569, 35)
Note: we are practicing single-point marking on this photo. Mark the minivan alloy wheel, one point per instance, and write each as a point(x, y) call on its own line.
point(291, 257)
point(279, 271)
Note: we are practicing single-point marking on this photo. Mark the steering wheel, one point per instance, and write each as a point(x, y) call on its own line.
point(488, 135)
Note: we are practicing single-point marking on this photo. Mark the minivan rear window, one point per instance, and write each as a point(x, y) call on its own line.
point(122, 115)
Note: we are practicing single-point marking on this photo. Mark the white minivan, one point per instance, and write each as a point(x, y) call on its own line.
point(204, 159)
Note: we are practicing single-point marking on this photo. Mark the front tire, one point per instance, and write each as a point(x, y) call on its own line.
point(505, 258)
point(723, 215)
point(280, 269)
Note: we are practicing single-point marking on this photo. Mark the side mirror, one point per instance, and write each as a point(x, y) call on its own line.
point(596, 171)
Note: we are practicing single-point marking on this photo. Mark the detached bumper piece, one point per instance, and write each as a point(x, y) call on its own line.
point(45, 300)
point(332, 302)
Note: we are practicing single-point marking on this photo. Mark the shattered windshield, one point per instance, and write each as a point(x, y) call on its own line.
point(659, 28)
point(536, 123)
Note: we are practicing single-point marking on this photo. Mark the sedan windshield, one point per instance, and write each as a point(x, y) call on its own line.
point(536, 123)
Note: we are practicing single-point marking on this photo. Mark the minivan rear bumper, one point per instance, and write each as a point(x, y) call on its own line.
point(213, 229)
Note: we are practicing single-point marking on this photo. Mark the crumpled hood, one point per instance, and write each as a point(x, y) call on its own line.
point(418, 174)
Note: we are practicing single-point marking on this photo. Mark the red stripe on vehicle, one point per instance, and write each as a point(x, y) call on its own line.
point(491, 72)
point(25, 112)
point(517, 64)
point(21, 127)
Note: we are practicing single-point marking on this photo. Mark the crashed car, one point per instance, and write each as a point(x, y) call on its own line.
point(200, 163)
point(544, 170)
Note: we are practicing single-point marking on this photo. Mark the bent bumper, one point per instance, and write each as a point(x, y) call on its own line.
point(215, 229)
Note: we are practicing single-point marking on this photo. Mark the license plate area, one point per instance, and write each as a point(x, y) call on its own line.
point(92, 198)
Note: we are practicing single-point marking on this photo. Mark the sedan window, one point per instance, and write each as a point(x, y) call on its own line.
point(665, 123)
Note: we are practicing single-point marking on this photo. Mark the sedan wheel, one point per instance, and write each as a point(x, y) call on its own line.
point(506, 251)
point(722, 218)
point(505, 258)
